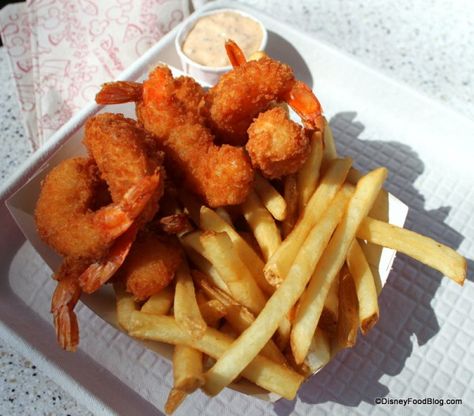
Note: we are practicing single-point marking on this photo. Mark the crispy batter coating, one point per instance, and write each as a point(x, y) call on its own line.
point(241, 94)
point(277, 145)
point(124, 153)
point(150, 265)
point(63, 216)
point(221, 175)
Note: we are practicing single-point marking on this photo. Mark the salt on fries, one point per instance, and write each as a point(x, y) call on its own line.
point(276, 301)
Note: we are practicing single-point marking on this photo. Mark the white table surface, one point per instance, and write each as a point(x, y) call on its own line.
point(428, 45)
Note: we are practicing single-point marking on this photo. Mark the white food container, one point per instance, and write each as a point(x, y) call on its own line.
point(207, 74)
point(114, 374)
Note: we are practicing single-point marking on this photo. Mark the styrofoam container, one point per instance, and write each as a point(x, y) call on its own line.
point(208, 74)
point(425, 329)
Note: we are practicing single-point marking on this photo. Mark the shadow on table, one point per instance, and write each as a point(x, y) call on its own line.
point(405, 302)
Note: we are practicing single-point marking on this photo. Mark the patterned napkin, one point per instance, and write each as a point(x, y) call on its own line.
point(61, 51)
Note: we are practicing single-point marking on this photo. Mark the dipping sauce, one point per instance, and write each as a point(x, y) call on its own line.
point(204, 43)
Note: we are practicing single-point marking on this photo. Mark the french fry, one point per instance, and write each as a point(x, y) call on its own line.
point(238, 316)
point(175, 398)
point(186, 309)
point(319, 350)
point(308, 176)
point(312, 301)
point(187, 368)
point(330, 151)
point(365, 287)
point(187, 375)
point(160, 303)
point(330, 311)
point(220, 251)
point(261, 370)
point(424, 249)
point(193, 248)
point(262, 224)
point(223, 214)
point(290, 192)
point(125, 305)
point(250, 342)
point(270, 197)
point(348, 323)
point(212, 311)
point(257, 55)
point(211, 221)
point(279, 264)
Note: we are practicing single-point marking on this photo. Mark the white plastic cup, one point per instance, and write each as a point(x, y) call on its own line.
point(207, 74)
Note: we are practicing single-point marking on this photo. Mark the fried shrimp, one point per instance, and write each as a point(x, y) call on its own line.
point(221, 175)
point(151, 264)
point(241, 94)
point(64, 217)
point(124, 154)
point(276, 145)
point(65, 298)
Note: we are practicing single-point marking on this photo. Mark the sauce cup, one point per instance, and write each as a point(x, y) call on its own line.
point(203, 73)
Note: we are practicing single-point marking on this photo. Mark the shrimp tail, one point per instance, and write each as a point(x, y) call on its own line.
point(116, 218)
point(234, 53)
point(119, 92)
point(65, 297)
point(102, 270)
point(301, 99)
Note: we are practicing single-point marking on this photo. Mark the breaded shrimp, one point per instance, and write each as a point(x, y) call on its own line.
point(150, 265)
point(168, 109)
point(69, 220)
point(63, 214)
point(124, 154)
point(276, 145)
point(241, 94)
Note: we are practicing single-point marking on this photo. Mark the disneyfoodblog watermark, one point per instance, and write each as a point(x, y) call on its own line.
point(417, 401)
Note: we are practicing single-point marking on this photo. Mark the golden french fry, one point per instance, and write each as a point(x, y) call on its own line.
point(319, 351)
point(175, 398)
point(212, 311)
point(312, 301)
point(257, 55)
point(249, 344)
point(279, 264)
point(379, 210)
point(330, 311)
point(424, 249)
point(223, 214)
point(194, 249)
point(290, 192)
point(263, 226)
point(270, 197)
point(365, 287)
point(211, 221)
point(330, 151)
point(160, 303)
point(261, 370)
point(186, 309)
point(348, 323)
point(308, 176)
point(125, 305)
point(238, 316)
point(220, 251)
point(187, 368)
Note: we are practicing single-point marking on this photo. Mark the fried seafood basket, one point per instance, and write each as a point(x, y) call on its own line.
point(424, 334)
